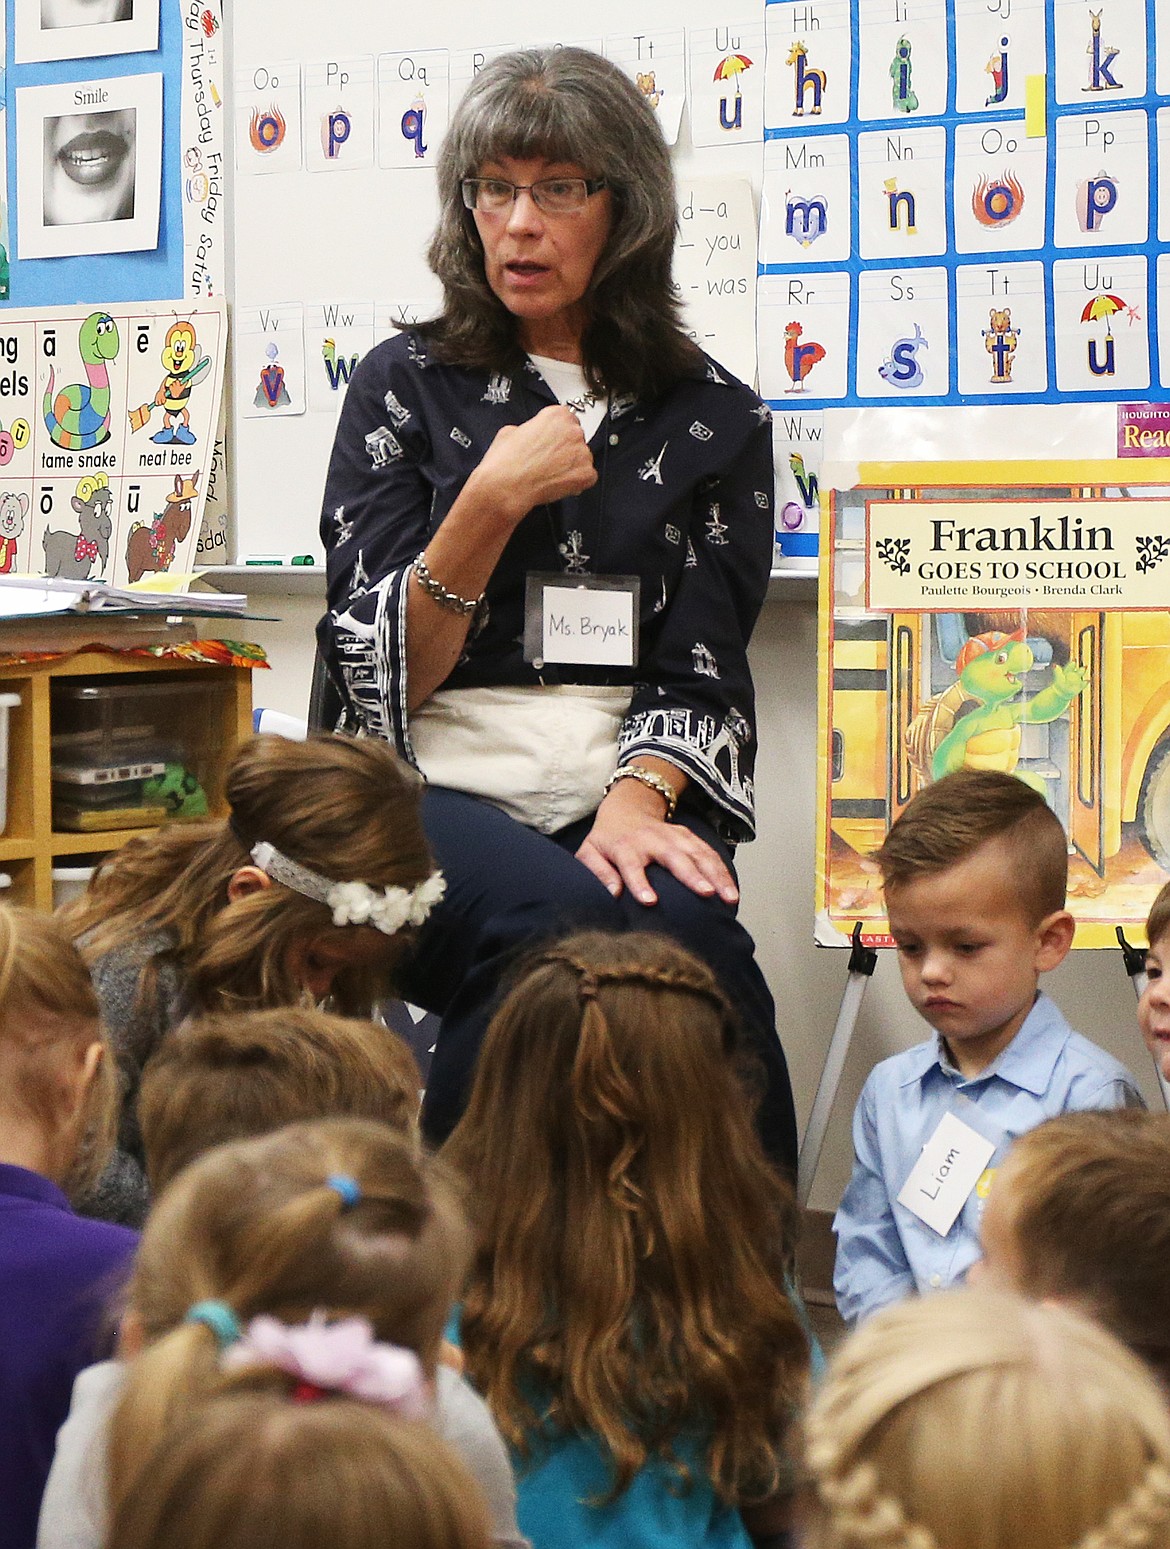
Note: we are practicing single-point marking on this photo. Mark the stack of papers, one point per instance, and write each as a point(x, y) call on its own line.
point(25, 596)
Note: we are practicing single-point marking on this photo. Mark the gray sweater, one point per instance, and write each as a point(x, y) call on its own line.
point(137, 1018)
point(74, 1509)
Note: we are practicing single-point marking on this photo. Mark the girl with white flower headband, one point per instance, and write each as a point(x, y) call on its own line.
point(291, 1263)
point(312, 887)
point(258, 1472)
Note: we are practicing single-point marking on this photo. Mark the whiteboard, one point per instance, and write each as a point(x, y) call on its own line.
point(353, 240)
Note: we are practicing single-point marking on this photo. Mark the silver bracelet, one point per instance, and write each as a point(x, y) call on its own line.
point(438, 593)
point(646, 777)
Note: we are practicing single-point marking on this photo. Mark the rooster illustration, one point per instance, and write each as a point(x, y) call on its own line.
point(799, 359)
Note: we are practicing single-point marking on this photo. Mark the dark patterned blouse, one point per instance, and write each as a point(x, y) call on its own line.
point(683, 501)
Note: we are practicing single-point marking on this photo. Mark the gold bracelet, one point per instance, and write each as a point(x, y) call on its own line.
point(646, 777)
point(438, 593)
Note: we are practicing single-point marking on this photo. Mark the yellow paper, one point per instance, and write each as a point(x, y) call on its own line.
point(165, 581)
point(1035, 107)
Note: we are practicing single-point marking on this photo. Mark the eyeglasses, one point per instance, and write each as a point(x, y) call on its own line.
point(553, 195)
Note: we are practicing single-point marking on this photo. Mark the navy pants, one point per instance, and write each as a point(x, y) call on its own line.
point(508, 889)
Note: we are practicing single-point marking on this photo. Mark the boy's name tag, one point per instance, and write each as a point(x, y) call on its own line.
point(943, 1177)
point(587, 620)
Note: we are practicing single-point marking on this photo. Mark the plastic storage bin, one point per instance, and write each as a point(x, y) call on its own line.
point(7, 702)
point(128, 754)
point(69, 882)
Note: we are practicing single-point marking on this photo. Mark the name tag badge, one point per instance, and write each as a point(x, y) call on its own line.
point(585, 620)
point(944, 1176)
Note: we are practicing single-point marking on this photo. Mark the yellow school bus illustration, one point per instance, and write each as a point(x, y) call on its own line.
point(1074, 699)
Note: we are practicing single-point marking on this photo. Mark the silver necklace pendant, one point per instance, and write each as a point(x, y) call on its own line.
point(576, 560)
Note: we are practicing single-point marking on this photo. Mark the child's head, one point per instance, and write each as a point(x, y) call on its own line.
point(256, 1471)
point(246, 899)
point(976, 1420)
point(341, 1216)
point(1080, 1212)
point(625, 1209)
point(233, 1075)
point(57, 1093)
point(974, 873)
point(1154, 1006)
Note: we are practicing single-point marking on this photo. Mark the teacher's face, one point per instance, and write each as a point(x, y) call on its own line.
point(540, 264)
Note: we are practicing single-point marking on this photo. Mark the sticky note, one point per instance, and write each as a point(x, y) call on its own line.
point(1035, 107)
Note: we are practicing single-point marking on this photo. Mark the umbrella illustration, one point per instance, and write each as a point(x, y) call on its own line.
point(732, 68)
point(1104, 306)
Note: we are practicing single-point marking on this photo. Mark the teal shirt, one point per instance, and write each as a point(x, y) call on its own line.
point(564, 1474)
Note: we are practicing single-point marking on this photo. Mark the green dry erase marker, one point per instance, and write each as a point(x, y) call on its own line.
point(277, 559)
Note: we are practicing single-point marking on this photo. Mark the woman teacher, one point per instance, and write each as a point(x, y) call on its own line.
point(549, 526)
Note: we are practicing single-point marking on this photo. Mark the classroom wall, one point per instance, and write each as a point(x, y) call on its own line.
point(777, 881)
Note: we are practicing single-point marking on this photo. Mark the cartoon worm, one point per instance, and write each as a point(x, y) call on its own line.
point(79, 415)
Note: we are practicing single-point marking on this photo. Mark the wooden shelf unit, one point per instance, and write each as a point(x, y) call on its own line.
point(29, 846)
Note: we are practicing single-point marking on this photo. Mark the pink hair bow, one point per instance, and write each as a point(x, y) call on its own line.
point(342, 1357)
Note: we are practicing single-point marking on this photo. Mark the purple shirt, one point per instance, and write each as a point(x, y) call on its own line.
point(57, 1274)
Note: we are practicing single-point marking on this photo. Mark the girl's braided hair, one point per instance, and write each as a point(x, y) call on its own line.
point(633, 1242)
point(974, 1420)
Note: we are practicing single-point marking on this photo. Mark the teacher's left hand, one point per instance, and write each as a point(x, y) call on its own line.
point(629, 832)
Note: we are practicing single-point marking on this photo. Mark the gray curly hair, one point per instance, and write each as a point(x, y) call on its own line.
point(566, 104)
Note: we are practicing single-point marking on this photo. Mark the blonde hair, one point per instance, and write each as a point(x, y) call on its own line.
point(948, 820)
point(1087, 1203)
point(976, 1420)
point(48, 1010)
point(344, 807)
point(633, 1241)
point(257, 1226)
point(234, 1075)
point(260, 1472)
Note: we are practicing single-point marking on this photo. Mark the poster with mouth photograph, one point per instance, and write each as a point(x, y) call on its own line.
point(89, 166)
point(84, 29)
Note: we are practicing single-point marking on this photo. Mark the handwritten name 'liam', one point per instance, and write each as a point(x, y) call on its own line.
point(940, 1174)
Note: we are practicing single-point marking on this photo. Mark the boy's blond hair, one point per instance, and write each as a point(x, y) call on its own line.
point(977, 1420)
point(948, 820)
point(233, 1075)
point(1158, 922)
point(1088, 1210)
point(262, 1472)
point(48, 1009)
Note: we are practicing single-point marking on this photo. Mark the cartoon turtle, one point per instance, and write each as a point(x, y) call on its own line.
point(991, 670)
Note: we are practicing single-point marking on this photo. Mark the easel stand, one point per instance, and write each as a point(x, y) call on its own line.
point(1135, 966)
point(862, 962)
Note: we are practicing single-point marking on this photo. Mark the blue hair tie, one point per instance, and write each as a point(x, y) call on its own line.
point(219, 1318)
point(349, 1189)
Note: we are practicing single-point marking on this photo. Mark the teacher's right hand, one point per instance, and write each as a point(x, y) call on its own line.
point(529, 465)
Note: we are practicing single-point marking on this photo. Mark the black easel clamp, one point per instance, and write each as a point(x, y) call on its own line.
point(863, 960)
point(1133, 957)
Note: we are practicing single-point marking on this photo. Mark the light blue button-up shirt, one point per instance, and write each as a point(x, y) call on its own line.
point(884, 1252)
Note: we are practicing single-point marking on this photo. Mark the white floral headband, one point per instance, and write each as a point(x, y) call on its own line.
point(387, 909)
point(342, 1357)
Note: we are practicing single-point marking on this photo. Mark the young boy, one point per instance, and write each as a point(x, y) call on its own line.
point(236, 1074)
point(974, 873)
point(1080, 1213)
point(1154, 1006)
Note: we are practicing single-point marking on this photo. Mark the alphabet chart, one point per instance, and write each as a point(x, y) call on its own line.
point(961, 203)
point(334, 197)
point(106, 439)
